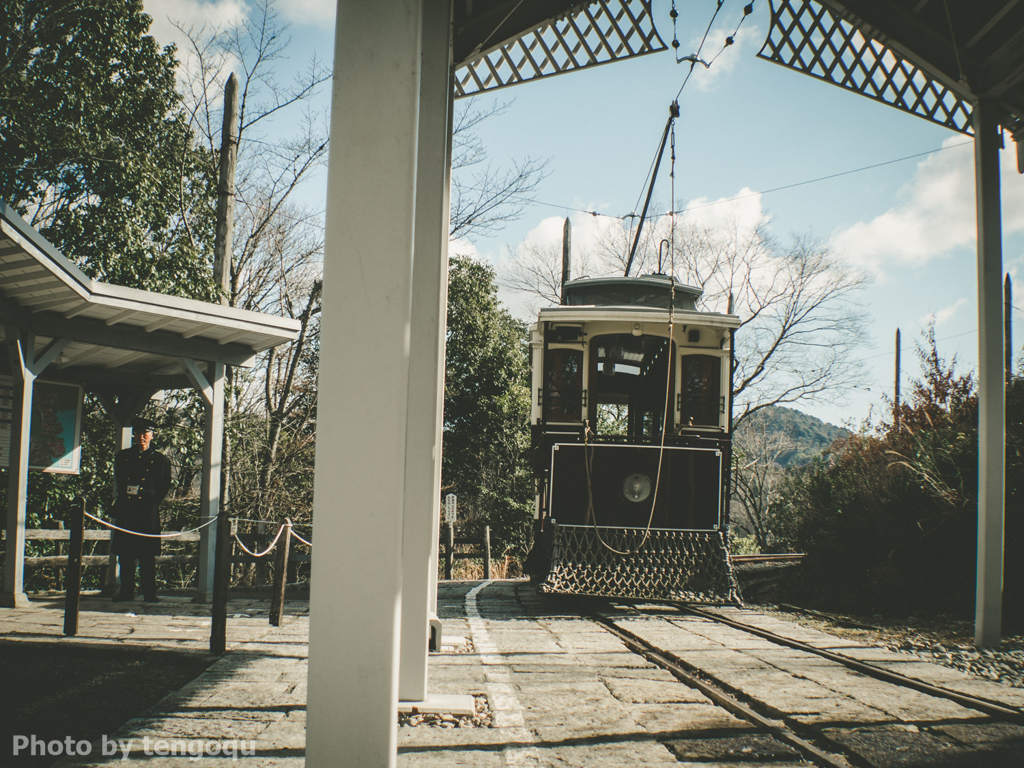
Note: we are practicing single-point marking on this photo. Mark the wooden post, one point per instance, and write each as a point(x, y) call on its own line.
point(280, 575)
point(59, 574)
point(259, 568)
point(73, 578)
point(449, 550)
point(487, 548)
point(221, 573)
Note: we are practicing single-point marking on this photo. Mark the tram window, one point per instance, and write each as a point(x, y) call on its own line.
point(700, 401)
point(628, 377)
point(612, 419)
point(563, 384)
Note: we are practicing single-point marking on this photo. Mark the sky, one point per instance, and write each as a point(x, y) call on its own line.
point(890, 193)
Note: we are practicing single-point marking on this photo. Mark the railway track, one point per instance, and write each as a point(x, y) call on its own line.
point(879, 718)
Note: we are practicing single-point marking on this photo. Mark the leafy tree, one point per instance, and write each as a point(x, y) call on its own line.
point(889, 517)
point(97, 152)
point(486, 409)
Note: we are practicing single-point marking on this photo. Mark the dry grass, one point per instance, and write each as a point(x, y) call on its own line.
point(471, 569)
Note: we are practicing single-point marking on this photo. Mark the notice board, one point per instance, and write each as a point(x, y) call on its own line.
point(55, 443)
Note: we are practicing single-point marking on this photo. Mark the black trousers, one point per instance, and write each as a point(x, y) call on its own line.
point(147, 574)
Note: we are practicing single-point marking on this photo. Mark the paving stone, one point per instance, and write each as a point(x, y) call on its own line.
point(661, 719)
point(747, 747)
point(889, 746)
point(652, 691)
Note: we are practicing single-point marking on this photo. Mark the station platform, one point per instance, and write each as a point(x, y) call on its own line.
point(551, 689)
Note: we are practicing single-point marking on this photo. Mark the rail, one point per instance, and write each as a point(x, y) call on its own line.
point(780, 558)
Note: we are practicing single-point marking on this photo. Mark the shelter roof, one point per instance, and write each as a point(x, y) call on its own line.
point(116, 335)
point(932, 58)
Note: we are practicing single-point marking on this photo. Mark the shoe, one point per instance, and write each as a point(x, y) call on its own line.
point(151, 599)
point(121, 598)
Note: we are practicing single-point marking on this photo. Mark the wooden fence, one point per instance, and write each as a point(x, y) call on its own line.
point(97, 542)
point(449, 542)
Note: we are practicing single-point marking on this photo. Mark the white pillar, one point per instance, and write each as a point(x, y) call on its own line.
point(21, 345)
point(363, 387)
point(212, 390)
point(991, 387)
point(26, 366)
point(426, 355)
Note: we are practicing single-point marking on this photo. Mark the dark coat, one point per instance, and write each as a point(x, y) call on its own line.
point(141, 480)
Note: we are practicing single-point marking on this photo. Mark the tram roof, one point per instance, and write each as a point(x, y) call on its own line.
point(631, 313)
point(654, 291)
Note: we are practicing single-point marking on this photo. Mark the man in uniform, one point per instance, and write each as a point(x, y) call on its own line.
point(142, 477)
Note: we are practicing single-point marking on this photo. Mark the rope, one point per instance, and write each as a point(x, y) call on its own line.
point(150, 535)
point(588, 456)
point(296, 536)
point(269, 549)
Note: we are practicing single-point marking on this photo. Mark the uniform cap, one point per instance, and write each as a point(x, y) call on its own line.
point(143, 425)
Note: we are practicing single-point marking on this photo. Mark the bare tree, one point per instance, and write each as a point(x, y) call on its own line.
point(485, 198)
point(799, 321)
point(758, 479)
point(537, 269)
point(277, 244)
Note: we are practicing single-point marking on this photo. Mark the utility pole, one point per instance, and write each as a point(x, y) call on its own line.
point(566, 254)
point(896, 388)
point(1008, 320)
point(226, 190)
point(222, 249)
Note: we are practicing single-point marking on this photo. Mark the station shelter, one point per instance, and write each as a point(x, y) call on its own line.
point(69, 333)
point(398, 66)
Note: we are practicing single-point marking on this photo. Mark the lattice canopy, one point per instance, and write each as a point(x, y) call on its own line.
point(587, 35)
point(808, 37)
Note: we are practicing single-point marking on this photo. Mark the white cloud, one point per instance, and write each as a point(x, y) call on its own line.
point(942, 316)
point(318, 13)
point(707, 79)
point(742, 210)
point(936, 212)
point(192, 13)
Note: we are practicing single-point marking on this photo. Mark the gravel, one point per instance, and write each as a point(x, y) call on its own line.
point(943, 641)
point(1004, 664)
point(481, 718)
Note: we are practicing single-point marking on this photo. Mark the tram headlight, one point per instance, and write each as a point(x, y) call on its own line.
point(636, 487)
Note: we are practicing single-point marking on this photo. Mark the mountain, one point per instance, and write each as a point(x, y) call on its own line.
point(808, 436)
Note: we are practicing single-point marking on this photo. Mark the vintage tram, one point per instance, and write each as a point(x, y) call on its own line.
point(630, 432)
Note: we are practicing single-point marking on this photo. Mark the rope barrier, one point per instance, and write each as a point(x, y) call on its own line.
point(211, 521)
point(269, 549)
point(150, 535)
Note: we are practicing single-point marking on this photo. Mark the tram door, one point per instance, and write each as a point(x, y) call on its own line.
point(629, 377)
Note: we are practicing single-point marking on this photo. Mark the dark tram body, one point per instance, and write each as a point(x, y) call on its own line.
point(621, 508)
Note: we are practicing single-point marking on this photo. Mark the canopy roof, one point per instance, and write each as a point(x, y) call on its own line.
point(118, 336)
point(932, 58)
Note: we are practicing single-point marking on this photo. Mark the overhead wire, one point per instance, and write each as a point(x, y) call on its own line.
point(723, 201)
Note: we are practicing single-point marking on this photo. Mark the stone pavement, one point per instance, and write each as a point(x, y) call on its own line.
point(557, 690)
